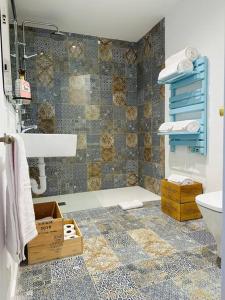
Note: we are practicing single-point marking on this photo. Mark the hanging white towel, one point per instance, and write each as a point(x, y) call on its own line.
point(20, 219)
point(189, 53)
point(186, 125)
point(180, 179)
point(183, 66)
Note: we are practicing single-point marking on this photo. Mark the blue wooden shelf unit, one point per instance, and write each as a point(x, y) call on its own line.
point(188, 103)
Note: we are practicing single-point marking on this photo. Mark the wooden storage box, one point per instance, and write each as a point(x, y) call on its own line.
point(48, 252)
point(49, 231)
point(178, 201)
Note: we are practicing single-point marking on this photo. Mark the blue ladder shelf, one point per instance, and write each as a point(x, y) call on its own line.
point(188, 103)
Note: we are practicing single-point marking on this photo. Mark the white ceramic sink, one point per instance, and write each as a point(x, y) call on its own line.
point(49, 145)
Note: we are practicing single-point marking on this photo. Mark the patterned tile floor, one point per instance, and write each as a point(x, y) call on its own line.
point(138, 254)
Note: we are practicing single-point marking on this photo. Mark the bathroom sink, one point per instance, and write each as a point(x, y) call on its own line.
point(49, 145)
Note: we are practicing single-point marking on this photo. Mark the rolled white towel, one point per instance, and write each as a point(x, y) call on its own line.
point(186, 125)
point(183, 66)
point(187, 53)
point(165, 127)
point(180, 179)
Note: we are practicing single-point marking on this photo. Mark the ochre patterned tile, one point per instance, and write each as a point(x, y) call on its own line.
point(107, 140)
point(147, 154)
point(152, 184)
point(162, 92)
point(107, 154)
point(147, 140)
point(132, 179)
point(151, 242)
point(78, 93)
point(94, 183)
point(76, 49)
point(118, 84)
point(131, 56)
point(46, 125)
point(46, 118)
point(147, 110)
point(119, 98)
point(98, 255)
point(131, 140)
point(82, 141)
point(92, 112)
point(94, 169)
point(105, 50)
point(46, 111)
point(131, 113)
point(148, 51)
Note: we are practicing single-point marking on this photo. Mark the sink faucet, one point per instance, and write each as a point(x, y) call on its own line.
point(28, 128)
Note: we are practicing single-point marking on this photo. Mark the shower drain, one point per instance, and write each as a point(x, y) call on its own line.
point(61, 203)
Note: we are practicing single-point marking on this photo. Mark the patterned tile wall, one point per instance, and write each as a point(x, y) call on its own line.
point(105, 91)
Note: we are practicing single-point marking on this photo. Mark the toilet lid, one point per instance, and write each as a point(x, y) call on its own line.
point(212, 201)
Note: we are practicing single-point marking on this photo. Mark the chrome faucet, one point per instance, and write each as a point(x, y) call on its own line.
point(28, 128)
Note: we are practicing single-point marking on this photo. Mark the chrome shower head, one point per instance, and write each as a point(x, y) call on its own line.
point(58, 35)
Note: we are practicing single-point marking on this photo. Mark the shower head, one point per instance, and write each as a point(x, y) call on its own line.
point(58, 35)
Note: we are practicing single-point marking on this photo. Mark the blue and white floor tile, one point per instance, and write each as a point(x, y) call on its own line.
point(132, 255)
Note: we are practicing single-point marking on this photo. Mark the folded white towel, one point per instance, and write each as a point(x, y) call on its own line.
point(187, 53)
point(20, 219)
point(166, 127)
point(186, 125)
point(183, 66)
point(130, 204)
point(180, 179)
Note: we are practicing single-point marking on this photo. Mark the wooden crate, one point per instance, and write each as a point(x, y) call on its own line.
point(180, 193)
point(178, 201)
point(49, 231)
point(180, 212)
point(50, 252)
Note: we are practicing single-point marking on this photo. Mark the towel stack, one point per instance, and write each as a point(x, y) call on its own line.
point(190, 126)
point(69, 232)
point(179, 179)
point(181, 62)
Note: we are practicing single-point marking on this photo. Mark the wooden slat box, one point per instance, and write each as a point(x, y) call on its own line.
point(49, 231)
point(178, 201)
point(50, 252)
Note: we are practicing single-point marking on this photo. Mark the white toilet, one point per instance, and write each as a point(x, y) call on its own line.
point(210, 205)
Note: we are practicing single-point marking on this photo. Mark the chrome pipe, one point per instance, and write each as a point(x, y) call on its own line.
point(24, 38)
point(16, 43)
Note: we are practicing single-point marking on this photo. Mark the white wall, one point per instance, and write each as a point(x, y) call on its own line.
point(7, 125)
point(200, 23)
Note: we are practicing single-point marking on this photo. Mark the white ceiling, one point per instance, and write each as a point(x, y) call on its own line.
point(118, 19)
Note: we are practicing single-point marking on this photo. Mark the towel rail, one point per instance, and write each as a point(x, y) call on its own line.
point(7, 139)
point(189, 95)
